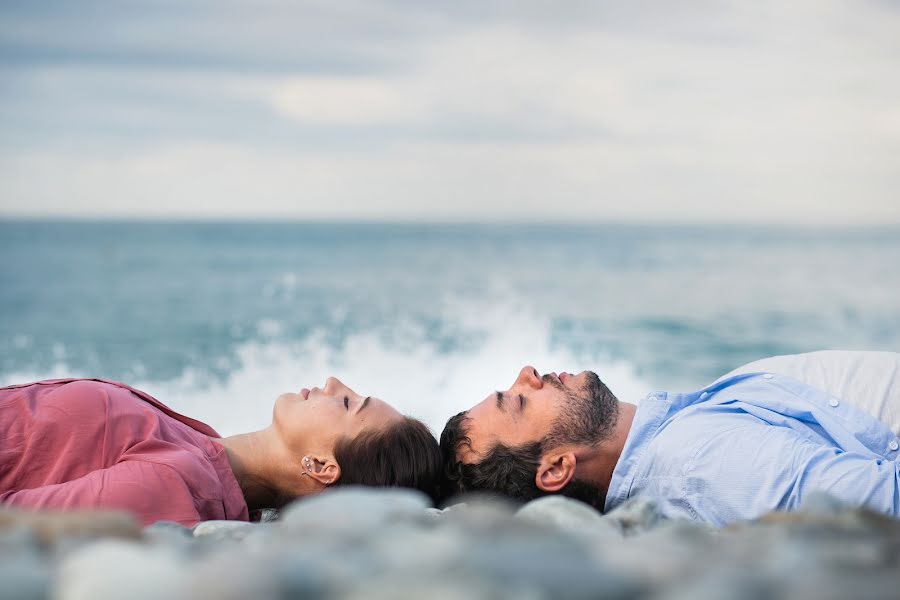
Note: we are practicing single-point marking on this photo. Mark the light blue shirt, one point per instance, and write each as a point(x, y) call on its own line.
point(751, 444)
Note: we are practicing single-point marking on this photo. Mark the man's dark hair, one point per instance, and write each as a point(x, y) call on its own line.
point(405, 454)
point(511, 471)
point(505, 470)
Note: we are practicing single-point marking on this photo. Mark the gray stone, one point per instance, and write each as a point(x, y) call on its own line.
point(438, 588)
point(220, 531)
point(18, 540)
point(482, 515)
point(267, 515)
point(23, 578)
point(726, 584)
point(555, 565)
point(671, 552)
point(113, 569)
point(51, 527)
point(354, 509)
point(230, 574)
point(172, 536)
point(636, 515)
point(568, 515)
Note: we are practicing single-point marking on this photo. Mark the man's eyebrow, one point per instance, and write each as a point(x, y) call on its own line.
point(500, 400)
point(364, 404)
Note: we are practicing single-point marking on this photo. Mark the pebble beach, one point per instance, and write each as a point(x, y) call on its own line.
point(356, 543)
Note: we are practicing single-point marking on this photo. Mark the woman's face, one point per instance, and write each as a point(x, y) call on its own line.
point(311, 422)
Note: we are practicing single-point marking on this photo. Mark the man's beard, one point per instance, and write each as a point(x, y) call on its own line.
point(587, 418)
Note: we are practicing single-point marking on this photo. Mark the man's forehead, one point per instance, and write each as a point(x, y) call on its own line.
point(487, 424)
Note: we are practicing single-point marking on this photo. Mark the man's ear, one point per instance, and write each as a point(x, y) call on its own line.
point(555, 471)
point(323, 469)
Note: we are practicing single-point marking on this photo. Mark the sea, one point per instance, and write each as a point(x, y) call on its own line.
point(216, 319)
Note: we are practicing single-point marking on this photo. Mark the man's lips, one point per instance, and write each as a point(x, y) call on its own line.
point(305, 393)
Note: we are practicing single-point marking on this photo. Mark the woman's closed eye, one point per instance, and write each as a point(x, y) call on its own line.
point(346, 402)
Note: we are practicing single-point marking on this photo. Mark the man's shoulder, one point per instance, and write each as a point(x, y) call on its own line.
point(694, 429)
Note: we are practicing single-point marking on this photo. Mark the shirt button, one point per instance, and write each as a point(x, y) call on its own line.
point(704, 395)
point(768, 376)
point(833, 402)
point(894, 445)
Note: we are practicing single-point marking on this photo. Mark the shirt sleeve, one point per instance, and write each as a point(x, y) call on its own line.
point(755, 469)
point(150, 491)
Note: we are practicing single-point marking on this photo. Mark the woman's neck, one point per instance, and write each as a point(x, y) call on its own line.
point(254, 460)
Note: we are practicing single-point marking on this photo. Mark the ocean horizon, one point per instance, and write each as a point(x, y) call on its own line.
point(216, 318)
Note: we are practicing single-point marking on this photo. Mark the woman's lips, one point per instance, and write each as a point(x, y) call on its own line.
point(305, 393)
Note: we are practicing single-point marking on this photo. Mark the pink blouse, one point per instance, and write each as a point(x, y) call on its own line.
point(88, 443)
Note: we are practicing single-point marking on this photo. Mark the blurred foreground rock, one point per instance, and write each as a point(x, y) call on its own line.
point(380, 544)
point(52, 527)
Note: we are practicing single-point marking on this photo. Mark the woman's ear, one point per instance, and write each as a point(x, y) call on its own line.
point(555, 472)
point(323, 469)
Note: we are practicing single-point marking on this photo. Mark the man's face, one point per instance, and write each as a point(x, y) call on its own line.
point(534, 407)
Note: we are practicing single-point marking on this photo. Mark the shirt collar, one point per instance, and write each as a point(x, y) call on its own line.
point(648, 417)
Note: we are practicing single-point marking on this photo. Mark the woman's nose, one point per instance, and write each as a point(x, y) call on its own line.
point(530, 377)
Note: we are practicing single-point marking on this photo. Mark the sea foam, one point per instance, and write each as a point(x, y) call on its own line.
point(411, 370)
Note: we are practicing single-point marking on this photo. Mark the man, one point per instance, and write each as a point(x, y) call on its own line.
point(748, 444)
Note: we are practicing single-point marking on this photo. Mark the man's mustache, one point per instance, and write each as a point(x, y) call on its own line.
point(548, 378)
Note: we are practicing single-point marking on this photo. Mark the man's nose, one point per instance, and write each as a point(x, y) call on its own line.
point(529, 376)
point(333, 385)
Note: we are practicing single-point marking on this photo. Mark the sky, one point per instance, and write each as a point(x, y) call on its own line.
point(697, 111)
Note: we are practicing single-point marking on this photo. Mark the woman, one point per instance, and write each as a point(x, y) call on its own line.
point(89, 443)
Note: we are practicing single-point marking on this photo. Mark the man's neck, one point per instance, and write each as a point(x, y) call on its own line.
point(597, 464)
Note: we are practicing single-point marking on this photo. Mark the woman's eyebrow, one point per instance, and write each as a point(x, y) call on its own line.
point(500, 400)
point(364, 404)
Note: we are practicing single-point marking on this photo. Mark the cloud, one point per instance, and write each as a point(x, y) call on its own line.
point(709, 111)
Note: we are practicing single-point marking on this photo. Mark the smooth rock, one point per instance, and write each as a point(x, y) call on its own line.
point(482, 515)
point(268, 515)
point(19, 540)
point(223, 530)
point(726, 584)
point(232, 574)
point(438, 588)
point(23, 578)
point(52, 527)
point(173, 536)
point(568, 515)
point(636, 515)
point(115, 569)
point(556, 565)
point(354, 509)
point(671, 552)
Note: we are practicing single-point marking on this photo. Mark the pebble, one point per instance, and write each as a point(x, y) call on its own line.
point(568, 515)
point(112, 569)
point(51, 527)
point(355, 543)
point(23, 578)
point(354, 509)
point(635, 515)
point(222, 530)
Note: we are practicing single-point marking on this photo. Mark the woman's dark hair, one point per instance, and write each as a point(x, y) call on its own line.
point(405, 454)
